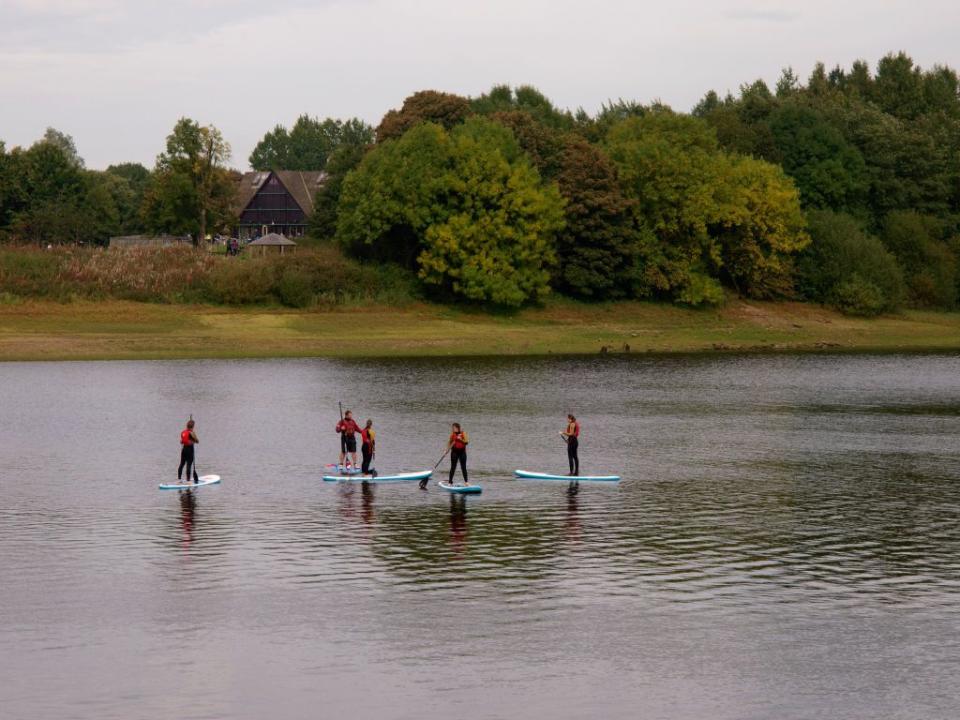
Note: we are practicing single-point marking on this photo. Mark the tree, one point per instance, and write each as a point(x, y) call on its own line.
point(309, 143)
point(759, 226)
point(668, 164)
point(127, 184)
point(444, 109)
point(464, 208)
point(525, 98)
point(191, 186)
point(828, 170)
point(846, 267)
point(599, 248)
point(66, 145)
point(930, 267)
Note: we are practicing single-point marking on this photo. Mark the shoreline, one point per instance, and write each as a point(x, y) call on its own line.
point(121, 330)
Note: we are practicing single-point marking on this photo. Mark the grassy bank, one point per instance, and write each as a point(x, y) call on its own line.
point(113, 329)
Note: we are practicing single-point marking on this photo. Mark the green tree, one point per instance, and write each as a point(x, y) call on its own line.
point(828, 170)
point(309, 143)
point(846, 267)
point(66, 144)
point(760, 227)
point(444, 109)
point(930, 267)
point(668, 164)
point(527, 99)
point(191, 188)
point(465, 208)
point(127, 184)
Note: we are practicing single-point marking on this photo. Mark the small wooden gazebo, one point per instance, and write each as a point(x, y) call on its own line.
point(273, 243)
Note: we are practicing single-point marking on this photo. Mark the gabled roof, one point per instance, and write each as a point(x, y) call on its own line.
point(273, 239)
point(301, 184)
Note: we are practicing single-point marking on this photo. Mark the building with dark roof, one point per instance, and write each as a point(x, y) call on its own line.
point(277, 201)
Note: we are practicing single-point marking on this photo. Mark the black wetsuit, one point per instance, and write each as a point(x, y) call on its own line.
point(573, 445)
point(186, 458)
point(367, 457)
point(458, 455)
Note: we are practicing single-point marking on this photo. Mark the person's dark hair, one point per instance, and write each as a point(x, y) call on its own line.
point(190, 424)
point(369, 422)
point(457, 426)
point(348, 412)
point(571, 418)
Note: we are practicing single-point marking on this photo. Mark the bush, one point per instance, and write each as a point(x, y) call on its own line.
point(842, 260)
point(701, 290)
point(857, 296)
point(928, 263)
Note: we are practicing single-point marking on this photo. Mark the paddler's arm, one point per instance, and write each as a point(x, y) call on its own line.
point(193, 436)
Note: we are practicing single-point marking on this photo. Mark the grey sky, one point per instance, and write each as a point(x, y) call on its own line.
point(116, 74)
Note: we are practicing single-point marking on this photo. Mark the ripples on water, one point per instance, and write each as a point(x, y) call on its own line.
point(784, 544)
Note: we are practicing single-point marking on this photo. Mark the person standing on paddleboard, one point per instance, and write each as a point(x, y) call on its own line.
point(368, 439)
point(348, 428)
point(188, 438)
point(457, 445)
point(572, 436)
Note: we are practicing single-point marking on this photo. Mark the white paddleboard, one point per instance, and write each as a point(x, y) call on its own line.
point(528, 475)
point(399, 477)
point(204, 481)
point(461, 489)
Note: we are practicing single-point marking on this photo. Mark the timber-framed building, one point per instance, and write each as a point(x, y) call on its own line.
point(277, 201)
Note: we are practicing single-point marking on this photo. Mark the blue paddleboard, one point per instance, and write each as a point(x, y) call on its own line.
point(399, 477)
point(461, 489)
point(345, 469)
point(527, 475)
point(204, 481)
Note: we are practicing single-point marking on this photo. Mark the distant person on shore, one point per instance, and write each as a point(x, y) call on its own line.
point(572, 436)
point(348, 429)
point(457, 445)
point(368, 439)
point(188, 438)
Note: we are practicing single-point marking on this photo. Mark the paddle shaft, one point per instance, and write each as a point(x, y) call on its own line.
point(441, 458)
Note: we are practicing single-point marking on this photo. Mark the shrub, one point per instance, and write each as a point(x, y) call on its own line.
point(857, 296)
point(928, 263)
point(842, 255)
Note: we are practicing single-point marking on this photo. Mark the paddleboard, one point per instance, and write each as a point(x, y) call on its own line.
point(345, 469)
point(461, 489)
point(399, 477)
point(527, 475)
point(204, 481)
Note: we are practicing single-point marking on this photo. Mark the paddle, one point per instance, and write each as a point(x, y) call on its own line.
point(423, 483)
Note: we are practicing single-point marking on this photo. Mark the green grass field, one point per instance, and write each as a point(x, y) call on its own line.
point(43, 330)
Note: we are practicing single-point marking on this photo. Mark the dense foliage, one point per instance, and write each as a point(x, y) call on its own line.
point(844, 190)
point(465, 208)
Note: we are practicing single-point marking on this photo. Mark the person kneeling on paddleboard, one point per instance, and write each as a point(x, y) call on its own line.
point(457, 445)
point(368, 447)
point(572, 436)
point(347, 427)
point(188, 438)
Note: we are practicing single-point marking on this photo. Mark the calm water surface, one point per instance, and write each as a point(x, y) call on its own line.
point(785, 543)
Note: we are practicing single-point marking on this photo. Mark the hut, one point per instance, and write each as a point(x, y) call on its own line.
point(272, 244)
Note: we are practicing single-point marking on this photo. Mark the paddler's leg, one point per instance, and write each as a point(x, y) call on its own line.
point(365, 451)
point(463, 466)
point(454, 453)
point(183, 461)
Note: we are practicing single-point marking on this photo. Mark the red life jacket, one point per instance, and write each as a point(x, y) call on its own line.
point(365, 436)
point(186, 438)
point(459, 440)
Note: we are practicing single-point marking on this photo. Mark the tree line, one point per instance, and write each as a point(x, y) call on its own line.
point(844, 189)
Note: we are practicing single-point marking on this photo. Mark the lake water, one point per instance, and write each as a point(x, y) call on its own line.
point(785, 542)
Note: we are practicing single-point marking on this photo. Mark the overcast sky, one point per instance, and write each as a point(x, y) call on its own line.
point(117, 74)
